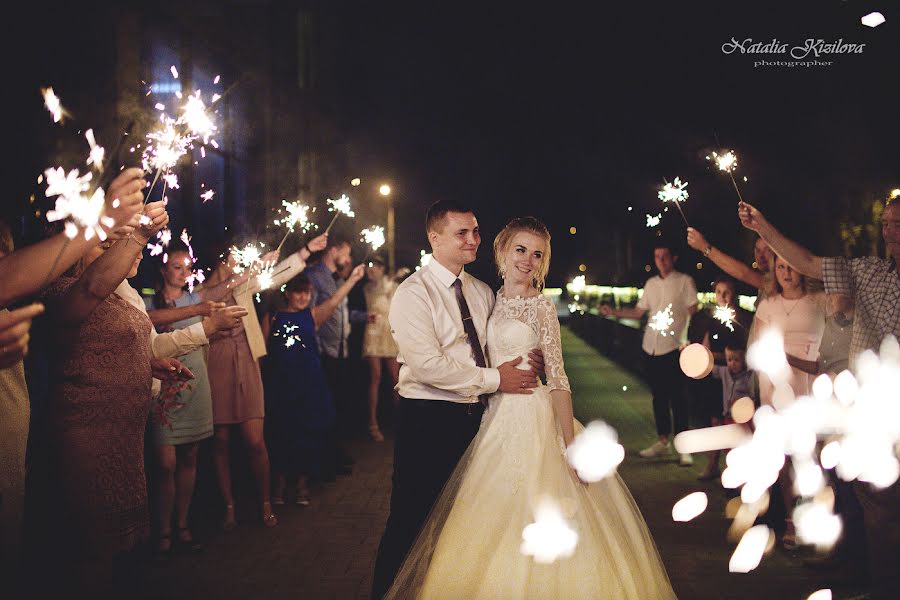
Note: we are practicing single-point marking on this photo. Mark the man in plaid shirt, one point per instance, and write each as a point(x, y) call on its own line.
point(874, 285)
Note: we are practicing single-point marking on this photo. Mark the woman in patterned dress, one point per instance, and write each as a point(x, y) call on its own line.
point(96, 495)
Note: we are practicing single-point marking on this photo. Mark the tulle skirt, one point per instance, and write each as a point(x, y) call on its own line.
point(470, 545)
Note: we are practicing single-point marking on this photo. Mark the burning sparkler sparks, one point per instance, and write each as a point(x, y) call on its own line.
point(197, 120)
point(727, 162)
point(653, 221)
point(97, 152)
point(725, 315)
point(549, 537)
point(290, 338)
point(207, 195)
point(264, 279)
point(248, 257)
point(595, 452)
point(675, 192)
point(73, 203)
point(661, 321)
point(54, 105)
point(339, 206)
point(374, 236)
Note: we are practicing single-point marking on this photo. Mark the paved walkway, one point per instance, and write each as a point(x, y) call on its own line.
point(327, 550)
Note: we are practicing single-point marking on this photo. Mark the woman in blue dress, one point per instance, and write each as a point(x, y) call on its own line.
point(299, 409)
point(181, 417)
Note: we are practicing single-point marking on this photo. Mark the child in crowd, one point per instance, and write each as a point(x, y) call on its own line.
point(737, 382)
point(299, 408)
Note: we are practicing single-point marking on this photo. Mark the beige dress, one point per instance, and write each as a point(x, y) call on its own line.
point(14, 414)
point(378, 340)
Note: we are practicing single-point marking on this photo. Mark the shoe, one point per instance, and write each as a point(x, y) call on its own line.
point(657, 449)
point(186, 542)
point(375, 433)
point(302, 498)
point(685, 460)
point(163, 547)
point(277, 500)
point(228, 523)
point(269, 520)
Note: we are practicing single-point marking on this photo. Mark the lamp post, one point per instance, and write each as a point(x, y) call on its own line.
point(385, 191)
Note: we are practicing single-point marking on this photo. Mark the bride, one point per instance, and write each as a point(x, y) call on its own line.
point(470, 544)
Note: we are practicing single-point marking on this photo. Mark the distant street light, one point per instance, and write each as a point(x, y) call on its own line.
point(385, 190)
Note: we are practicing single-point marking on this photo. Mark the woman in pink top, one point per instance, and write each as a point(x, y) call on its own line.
point(799, 315)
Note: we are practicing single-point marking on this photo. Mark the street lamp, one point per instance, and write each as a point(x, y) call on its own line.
point(385, 190)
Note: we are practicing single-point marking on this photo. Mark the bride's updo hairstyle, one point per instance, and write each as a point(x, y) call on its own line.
point(501, 245)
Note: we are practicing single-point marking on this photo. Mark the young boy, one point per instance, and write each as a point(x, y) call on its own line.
point(737, 382)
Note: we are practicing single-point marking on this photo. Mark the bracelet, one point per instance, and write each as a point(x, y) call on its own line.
point(306, 247)
point(707, 251)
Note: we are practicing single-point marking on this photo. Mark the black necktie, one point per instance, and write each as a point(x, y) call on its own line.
point(471, 333)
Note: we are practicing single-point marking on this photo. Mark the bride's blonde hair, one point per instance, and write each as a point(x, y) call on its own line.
point(501, 245)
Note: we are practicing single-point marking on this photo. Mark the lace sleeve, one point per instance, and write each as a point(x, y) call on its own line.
point(548, 330)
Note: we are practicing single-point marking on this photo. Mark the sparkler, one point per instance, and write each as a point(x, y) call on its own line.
point(661, 321)
point(595, 452)
point(96, 155)
point(725, 315)
point(341, 205)
point(549, 537)
point(53, 104)
point(675, 192)
point(374, 236)
point(689, 507)
point(74, 203)
point(296, 215)
point(290, 338)
point(726, 162)
point(653, 221)
point(248, 257)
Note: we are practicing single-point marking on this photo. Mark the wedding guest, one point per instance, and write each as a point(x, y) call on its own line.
point(96, 502)
point(874, 285)
point(181, 418)
point(379, 347)
point(333, 336)
point(299, 417)
point(754, 277)
point(235, 379)
point(23, 273)
point(736, 382)
point(675, 292)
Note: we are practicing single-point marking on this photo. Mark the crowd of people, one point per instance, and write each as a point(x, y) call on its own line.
point(186, 366)
point(129, 387)
point(828, 311)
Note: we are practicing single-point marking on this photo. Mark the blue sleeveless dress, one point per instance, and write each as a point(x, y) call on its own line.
point(299, 408)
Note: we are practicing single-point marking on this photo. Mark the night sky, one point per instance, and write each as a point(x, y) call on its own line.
point(572, 115)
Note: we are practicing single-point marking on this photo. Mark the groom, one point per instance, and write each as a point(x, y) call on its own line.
point(439, 319)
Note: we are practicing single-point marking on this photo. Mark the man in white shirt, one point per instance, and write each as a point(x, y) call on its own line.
point(671, 299)
point(443, 372)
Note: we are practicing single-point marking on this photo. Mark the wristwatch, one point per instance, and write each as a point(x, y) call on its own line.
point(707, 251)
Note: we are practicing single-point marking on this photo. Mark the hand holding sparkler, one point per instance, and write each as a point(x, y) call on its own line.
point(170, 369)
point(750, 217)
point(696, 240)
point(317, 244)
point(125, 197)
point(223, 318)
point(151, 221)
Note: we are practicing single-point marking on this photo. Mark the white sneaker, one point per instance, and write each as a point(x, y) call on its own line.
point(685, 460)
point(657, 449)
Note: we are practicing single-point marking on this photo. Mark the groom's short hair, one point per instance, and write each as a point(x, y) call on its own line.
point(434, 218)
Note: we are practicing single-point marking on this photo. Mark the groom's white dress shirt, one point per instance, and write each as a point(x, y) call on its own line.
point(435, 358)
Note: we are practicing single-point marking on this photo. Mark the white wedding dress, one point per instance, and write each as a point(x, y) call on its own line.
point(470, 544)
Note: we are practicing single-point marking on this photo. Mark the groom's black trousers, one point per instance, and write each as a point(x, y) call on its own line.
point(432, 435)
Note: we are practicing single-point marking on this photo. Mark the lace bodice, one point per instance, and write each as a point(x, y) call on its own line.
point(519, 324)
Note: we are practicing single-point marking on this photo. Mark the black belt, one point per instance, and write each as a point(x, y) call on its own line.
point(446, 406)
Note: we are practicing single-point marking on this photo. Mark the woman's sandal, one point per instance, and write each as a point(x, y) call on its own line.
point(229, 522)
point(187, 542)
point(269, 520)
point(163, 547)
point(375, 433)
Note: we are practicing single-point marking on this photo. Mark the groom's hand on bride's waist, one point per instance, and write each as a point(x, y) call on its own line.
point(514, 380)
point(536, 360)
